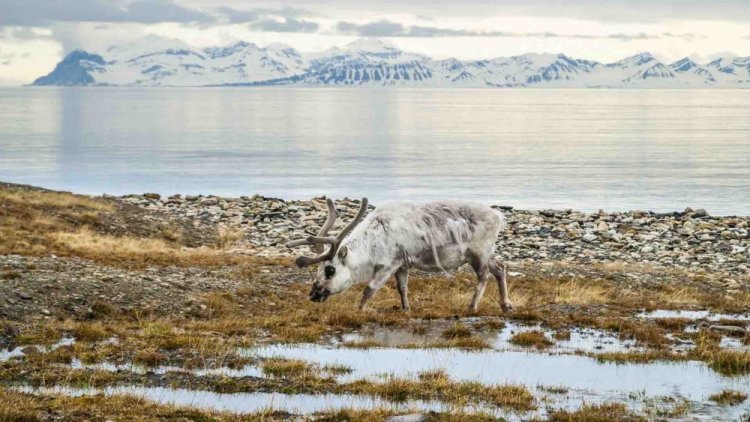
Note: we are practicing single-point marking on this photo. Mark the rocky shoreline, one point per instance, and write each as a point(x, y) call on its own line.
point(691, 240)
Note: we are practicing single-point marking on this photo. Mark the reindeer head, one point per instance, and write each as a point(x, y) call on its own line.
point(334, 276)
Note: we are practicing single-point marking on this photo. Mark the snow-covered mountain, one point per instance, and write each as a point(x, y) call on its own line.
point(371, 62)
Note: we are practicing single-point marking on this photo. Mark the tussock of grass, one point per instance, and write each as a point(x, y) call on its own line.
point(534, 338)
point(337, 369)
point(490, 324)
point(380, 415)
point(435, 385)
point(90, 332)
point(562, 335)
point(596, 413)
point(457, 330)
point(286, 368)
point(529, 315)
point(646, 356)
point(673, 324)
point(62, 355)
point(364, 344)
point(468, 343)
point(22, 407)
point(302, 373)
point(150, 358)
point(729, 362)
point(44, 335)
point(729, 397)
point(645, 333)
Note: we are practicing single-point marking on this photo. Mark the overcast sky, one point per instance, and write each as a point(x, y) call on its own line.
point(35, 34)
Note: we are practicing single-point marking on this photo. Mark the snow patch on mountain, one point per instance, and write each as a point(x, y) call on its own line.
point(156, 61)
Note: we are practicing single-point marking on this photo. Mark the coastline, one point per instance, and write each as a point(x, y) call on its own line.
point(691, 240)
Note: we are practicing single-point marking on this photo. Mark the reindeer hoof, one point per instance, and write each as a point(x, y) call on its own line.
point(507, 306)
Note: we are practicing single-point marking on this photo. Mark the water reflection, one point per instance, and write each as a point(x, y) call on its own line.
point(584, 149)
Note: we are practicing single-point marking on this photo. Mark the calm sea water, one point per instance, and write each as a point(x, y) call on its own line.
point(584, 149)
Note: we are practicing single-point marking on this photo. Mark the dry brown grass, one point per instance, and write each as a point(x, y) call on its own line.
point(28, 216)
point(22, 407)
point(646, 356)
point(36, 222)
point(228, 237)
point(457, 330)
point(534, 338)
point(139, 251)
point(90, 332)
point(436, 385)
point(562, 335)
point(286, 368)
point(646, 333)
point(728, 361)
point(673, 324)
point(596, 413)
point(729, 397)
point(39, 198)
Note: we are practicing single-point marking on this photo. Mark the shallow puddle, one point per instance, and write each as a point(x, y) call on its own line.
point(586, 379)
point(693, 315)
point(250, 402)
point(586, 340)
point(246, 371)
point(23, 350)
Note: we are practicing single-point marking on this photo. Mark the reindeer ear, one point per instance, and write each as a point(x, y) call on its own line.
point(342, 252)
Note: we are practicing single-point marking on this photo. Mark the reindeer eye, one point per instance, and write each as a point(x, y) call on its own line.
point(330, 271)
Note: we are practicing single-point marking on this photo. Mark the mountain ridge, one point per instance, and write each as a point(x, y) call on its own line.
point(372, 62)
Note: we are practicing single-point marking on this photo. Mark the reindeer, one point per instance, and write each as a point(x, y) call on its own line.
point(433, 237)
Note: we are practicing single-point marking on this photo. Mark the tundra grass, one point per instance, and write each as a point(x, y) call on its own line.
point(596, 413)
point(22, 407)
point(288, 377)
point(38, 222)
point(534, 338)
point(729, 397)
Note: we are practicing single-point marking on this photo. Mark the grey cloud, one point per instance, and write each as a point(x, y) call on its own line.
point(44, 12)
point(686, 36)
point(638, 11)
point(238, 16)
point(285, 19)
point(284, 25)
point(384, 28)
point(630, 37)
point(641, 11)
point(23, 33)
point(154, 11)
point(249, 15)
point(381, 28)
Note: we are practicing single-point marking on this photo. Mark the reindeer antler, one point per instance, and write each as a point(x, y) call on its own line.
point(318, 242)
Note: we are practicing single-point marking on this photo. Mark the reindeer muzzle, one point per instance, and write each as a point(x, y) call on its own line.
point(319, 294)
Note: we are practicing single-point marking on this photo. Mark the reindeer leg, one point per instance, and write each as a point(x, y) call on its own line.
point(497, 268)
point(480, 268)
point(402, 283)
point(378, 281)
